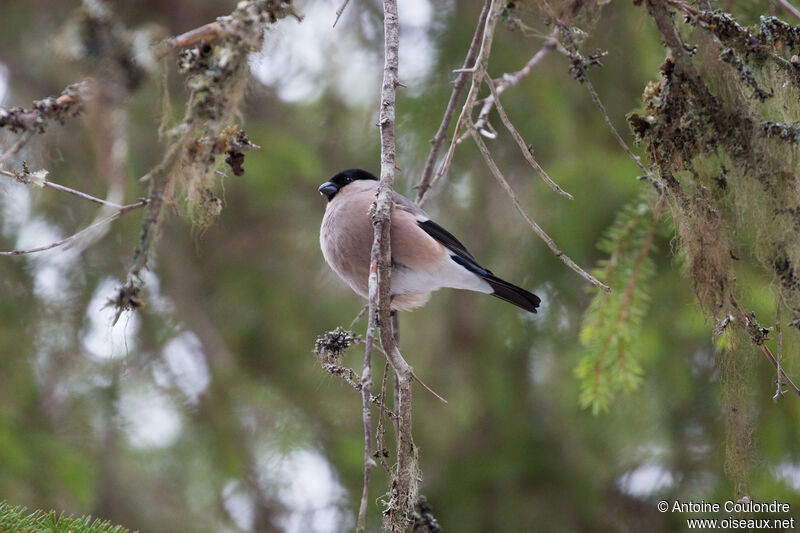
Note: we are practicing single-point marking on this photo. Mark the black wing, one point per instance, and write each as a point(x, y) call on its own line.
point(445, 237)
point(500, 287)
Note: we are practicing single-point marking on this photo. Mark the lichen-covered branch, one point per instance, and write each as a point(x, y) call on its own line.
point(51, 109)
point(216, 74)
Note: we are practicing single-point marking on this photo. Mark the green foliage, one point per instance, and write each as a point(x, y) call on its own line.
point(18, 519)
point(612, 323)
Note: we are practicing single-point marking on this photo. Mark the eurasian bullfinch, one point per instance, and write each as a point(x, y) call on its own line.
point(425, 256)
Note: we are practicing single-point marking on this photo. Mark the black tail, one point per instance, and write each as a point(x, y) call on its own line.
point(513, 294)
point(502, 289)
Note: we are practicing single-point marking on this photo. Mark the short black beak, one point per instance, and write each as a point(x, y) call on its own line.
point(328, 189)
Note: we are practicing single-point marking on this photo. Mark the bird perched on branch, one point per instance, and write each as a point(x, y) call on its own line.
point(425, 256)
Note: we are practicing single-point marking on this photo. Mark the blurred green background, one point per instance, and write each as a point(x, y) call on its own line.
point(208, 411)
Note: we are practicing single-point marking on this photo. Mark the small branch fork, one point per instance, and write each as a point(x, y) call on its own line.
point(508, 81)
point(475, 65)
point(458, 87)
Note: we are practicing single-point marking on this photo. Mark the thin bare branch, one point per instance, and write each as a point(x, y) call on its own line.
point(380, 431)
point(478, 67)
point(779, 360)
point(527, 151)
point(774, 362)
point(635, 158)
point(366, 413)
point(207, 32)
point(359, 316)
point(458, 87)
point(340, 10)
point(405, 479)
point(512, 80)
point(121, 211)
point(413, 374)
point(487, 157)
point(790, 8)
point(11, 152)
point(25, 177)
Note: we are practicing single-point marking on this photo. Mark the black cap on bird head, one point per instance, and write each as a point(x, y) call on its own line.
point(333, 185)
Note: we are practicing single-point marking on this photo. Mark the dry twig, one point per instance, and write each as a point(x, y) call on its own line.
point(487, 157)
point(512, 80)
point(458, 87)
point(121, 211)
point(527, 151)
point(478, 67)
point(340, 10)
point(39, 179)
point(790, 8)
point(779, 360)
point(207, 32)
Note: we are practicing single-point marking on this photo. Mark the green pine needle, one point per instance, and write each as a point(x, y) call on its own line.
point(18, 519)
point(612, 323)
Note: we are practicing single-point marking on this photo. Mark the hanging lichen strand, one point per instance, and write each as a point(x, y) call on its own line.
point(216, 68)
point(720, 127)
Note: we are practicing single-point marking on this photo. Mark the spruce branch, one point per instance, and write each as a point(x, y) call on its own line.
point(612, 321)
point(20, 519)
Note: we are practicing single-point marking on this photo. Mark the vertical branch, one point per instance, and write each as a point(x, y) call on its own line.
point(366, 385)
point(779, 359)
point(405, 477)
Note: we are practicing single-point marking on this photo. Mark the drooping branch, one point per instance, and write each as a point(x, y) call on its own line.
point(121, 211)
point(487, 157)
point(527, 151)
